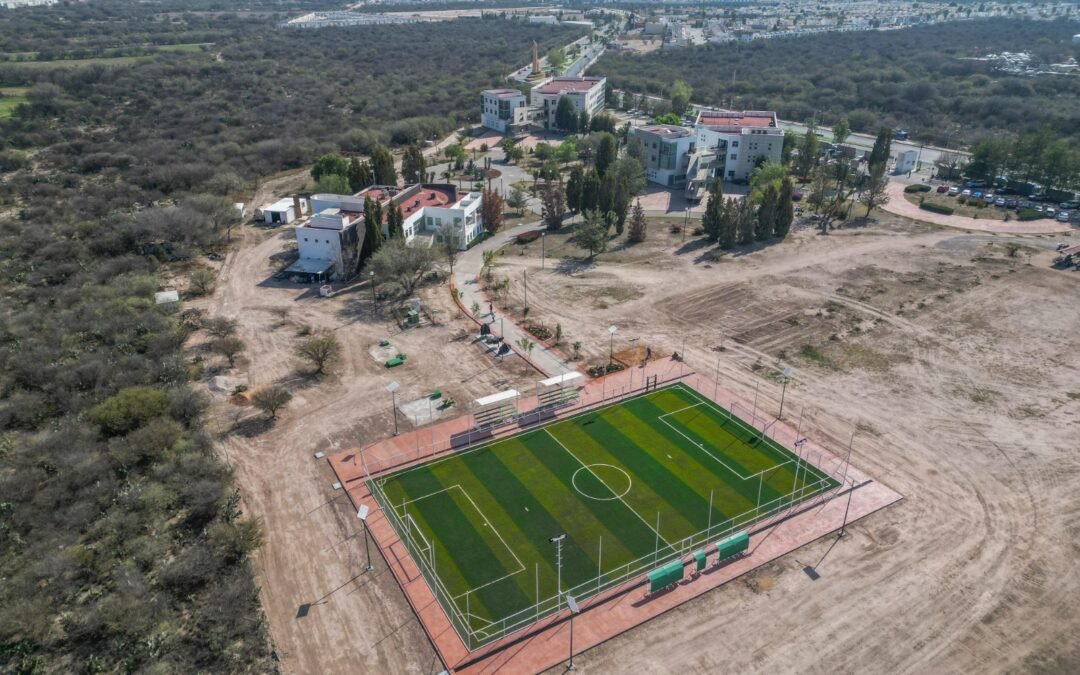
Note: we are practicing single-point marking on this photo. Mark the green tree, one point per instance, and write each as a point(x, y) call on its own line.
point(566, 152)
point(553, 200)
point(373, 235)
point(590, 192)
point(840, 131)
point(766, 215)
point(271, 400)
point(332, 183)
point(874, 188)
point(330, 164)
point(680, 97)
point(566, 117)
point(517, 200)
point(638, 225)
point(574, 186)
point(491, 211)
point(791, 141)
point(583, 121)
point(606, 151)
point(360, 175)
point(395, 221)
point(712, 220)
point(729, 224)
point(746, 221)
point(591, 233)
point(668, 118)
point(766, 174)
point(809, 149)
point(128, 409)
point(556, 58)
point(401, 265)
point(413, 165)
point(987, 158)
point(382, 166)
point(882, 147)
point(785, 209)
point(320, 350)
point(602, 122)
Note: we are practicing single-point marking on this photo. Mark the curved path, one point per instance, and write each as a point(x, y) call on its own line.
point(902, 207)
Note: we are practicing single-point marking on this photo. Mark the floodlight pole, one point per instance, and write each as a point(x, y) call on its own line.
point(783, 392)
point(558, 540)
point(362, 514)
point(543, 250)
point(843, 525)
point(374, 300)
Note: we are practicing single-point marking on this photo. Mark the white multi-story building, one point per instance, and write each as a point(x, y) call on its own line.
point(504, 110)
point(666, 151)
point(585, 92)
point(328, 242)
point(730, 145)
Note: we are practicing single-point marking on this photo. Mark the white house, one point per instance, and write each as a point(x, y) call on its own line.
point(585, 92)
point(730, 145)
point(504, 110)
point(906, 161)
point(666, 151)
point(329, 242)
point(283, 210)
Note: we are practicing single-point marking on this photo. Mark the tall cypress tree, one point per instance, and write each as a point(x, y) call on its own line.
point(728, 223)
point(395, 221)
point(373, 238)
point(382, 164)
point(714, 211)
point(785, 209)
point(766, 215)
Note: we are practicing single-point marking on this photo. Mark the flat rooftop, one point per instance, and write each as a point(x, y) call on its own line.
point(503, 93)
point(575, 84)
point(666, 130)
point(746, 118)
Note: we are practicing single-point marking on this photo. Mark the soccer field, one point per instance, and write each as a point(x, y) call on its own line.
point(631, 485)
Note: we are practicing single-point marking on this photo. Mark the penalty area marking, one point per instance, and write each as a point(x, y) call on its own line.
point(590, 468)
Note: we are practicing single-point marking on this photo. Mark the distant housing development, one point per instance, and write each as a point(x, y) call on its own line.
point(327, 242)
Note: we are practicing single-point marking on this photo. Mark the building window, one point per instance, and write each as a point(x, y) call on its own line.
point(734, 144)
point(733, 157)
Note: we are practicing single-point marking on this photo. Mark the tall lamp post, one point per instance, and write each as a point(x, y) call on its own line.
point(783, 392)
point(374, 300)
point(558, 540)
point(392, 388)
point(685, 222)
point(611, 345)
point(525, 282)
point(362, 514)
point(543, 250)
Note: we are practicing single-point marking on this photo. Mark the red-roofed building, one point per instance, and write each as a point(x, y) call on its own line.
point(585, 92)
point(730, 144)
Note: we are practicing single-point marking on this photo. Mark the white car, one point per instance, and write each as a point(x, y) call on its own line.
point(1063, 216)
point(965, 193)
point(953, 191)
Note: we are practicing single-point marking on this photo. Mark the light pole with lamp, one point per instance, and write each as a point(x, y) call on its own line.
point(362, 514)
point(392, 388)
point(783, 392)
point(543, 250)
point(374, 300)
point(525, 282)
point(685, 222)
point(558, 540)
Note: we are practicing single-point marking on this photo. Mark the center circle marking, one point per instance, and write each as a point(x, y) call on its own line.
point(598, 471)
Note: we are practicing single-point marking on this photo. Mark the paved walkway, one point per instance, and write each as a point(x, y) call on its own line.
point(466, 281)
point(902, 207)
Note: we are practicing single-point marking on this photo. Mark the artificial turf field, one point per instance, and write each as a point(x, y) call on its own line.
point(601, 477)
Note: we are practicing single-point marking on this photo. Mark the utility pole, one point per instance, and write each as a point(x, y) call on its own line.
point(558, 540)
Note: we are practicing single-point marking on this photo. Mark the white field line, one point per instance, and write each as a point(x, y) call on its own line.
point(712, 406)
point(628, 507)
point(487, 523)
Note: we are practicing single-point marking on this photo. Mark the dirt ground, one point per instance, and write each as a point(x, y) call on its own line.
point(951, 356)
point(326, 612)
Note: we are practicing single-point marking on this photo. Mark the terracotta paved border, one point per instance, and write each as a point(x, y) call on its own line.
point(545, 644)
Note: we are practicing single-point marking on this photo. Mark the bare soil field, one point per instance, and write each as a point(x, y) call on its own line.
point(950, 356)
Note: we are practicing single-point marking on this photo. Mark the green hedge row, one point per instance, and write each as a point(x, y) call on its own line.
point(936, 208)
point(1028, 214)
point(917, 187)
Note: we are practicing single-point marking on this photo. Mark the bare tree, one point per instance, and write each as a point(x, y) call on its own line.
point(321, 350)
point(271, 400)
point(554, 204)
point(874, 190)
point(402, 265)
point(230, 347)
point(220, 326)
point(201, 281)
point(449, 241)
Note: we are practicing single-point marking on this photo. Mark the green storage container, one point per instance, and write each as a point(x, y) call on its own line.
point(733, 545)
point(437, 394)
point(384, 343)
point(700, 557)
point(662, 577)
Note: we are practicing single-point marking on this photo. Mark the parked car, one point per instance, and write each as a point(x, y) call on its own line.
point(1063, 216)
point(953, 191)
point(988, 198)
point(943, 188)
point(965, 193)
point(977, 194)
point(1037, 207)
point(1068, 206)
point(975, 184)
point(1026, 204)
point(1050, 211)
point(999, 202)
point(1011, 203)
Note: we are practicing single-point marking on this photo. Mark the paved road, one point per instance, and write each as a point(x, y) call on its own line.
point(466, 273)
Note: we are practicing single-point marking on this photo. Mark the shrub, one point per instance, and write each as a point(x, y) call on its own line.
point(917, 187)
point(129, 409)
point(937, 208)
point(539, 331)
point(528, 237)
point(613, 367)
point(1028, 214)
